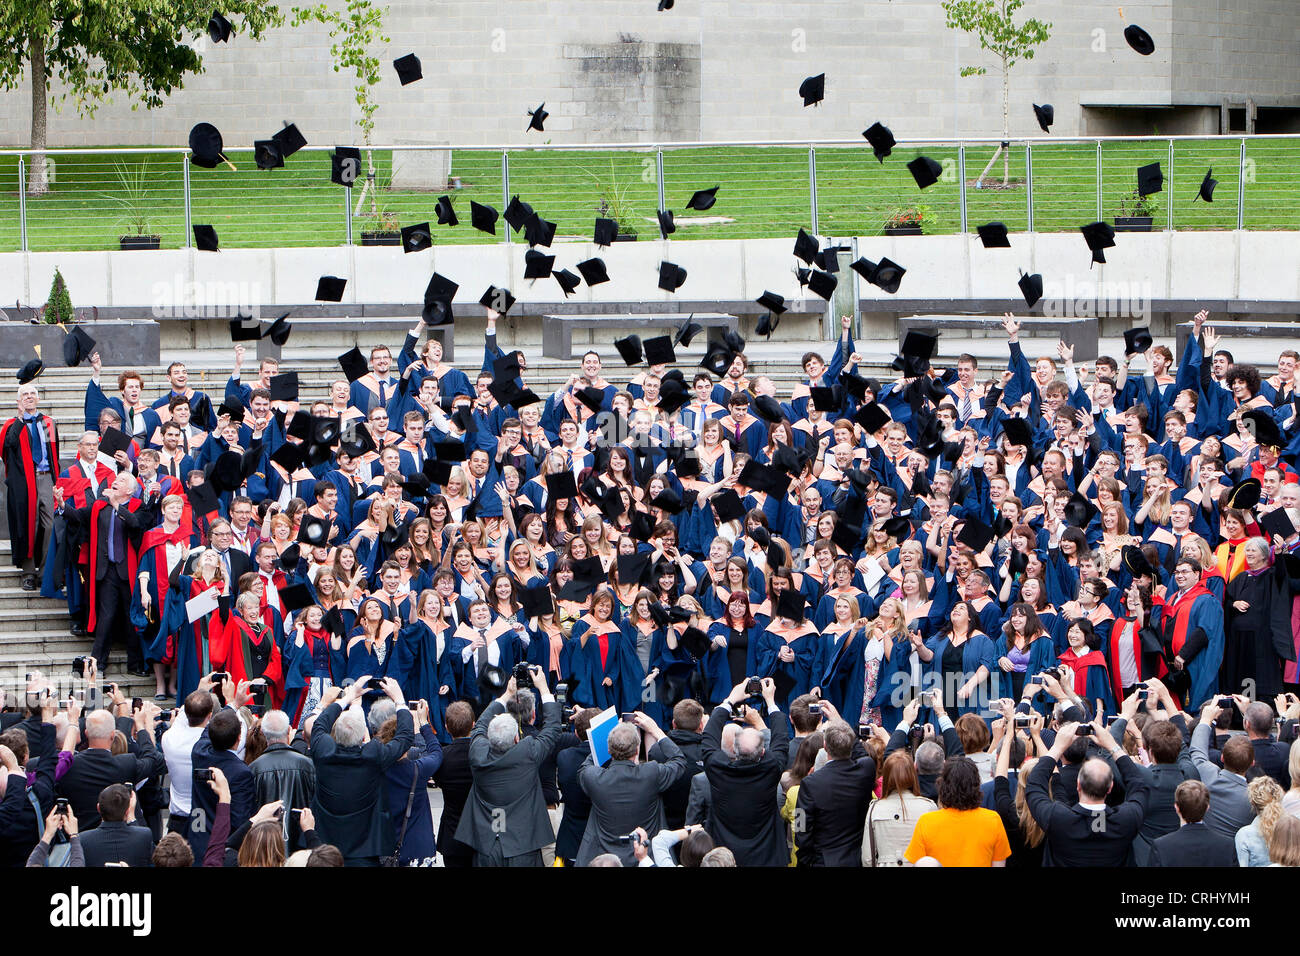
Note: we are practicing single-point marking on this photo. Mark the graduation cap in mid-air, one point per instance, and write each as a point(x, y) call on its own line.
point(483, 217)
point(659, 351)
point(1263, 427)
point(219, 28)
point(78, 346)
point(593, 271)
point(1031, 287)
point(1150, 179)
point(925, 171)
point(536, 118)
point(671, 276)
point(417, 237)
point(813, 89)
point(330, 289)
point(1079, 510)
point(354, 364)
point(446, 214)
point(604, 232)
point(1139, 39)
point(666, 225)
point(994, 235)
point(1046, 115)
point(1099, 236)
point(267, 154)
point(687, 331)
point(408, 68)
point(205, 238)
point(881, 140)
point(345, 165)
point(1137, 340)
point(703, 199)
point(1206, 190)
point(496, 299)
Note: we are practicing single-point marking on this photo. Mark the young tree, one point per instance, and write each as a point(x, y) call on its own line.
point(138, 47)
point(352, 31)
point(58, 307)
point(991, 22)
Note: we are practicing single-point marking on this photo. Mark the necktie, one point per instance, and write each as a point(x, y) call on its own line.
point(38, 447)
point(112, 534)
point(383, 392)
point(130, 421)
point(737, 433)
point(482, 651)
point(965, 406)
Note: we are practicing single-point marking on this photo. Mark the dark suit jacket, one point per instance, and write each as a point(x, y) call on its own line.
point(93, 770)
point(20, 825)
point(135, 524)
point(677, 797)
point(203, 806)
point(118, 842)
point(745, 817)
point(454, 778)
point(507, 787)
point(349, 803)
point(1193, 844)
point(626, 795)
point(577, 805)
point(1073, 836)
point(831, 812)
point(1271, 757)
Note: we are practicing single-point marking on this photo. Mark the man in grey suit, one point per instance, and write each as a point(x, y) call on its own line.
point(117, 840)
point(1229, 805)
point(505, 818)
point(625, 793)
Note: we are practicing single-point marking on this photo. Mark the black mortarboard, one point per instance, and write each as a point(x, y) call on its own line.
point(764, 478)
point(975, 534)
point(77, 347)
point(450, 450)
point(313, 531)
point(855, 384)
point(925, 171)
point(768, 408)
point(592, 397)
point(717, 359)
point(703, 199)
point(438, 296)
point(1207, 186)
point(417, 237)
point(205, 238)
point(296, 596)
point(1046, 116)
point(847, 535)
point(898, 528)
point(659, 350)
point(1079, 511)
point(354, 364)
point(205, 146)
point(392, 537)
point(767, 323)
point(483, 218)
point(219, 28)
point(203, 499)
point(267, 155)
point(1139, 39)
point(113, 440)
point(355, 440)
point(567, 280)
point(1150, 179)
point(1135, 562)
point(279, 330)
point(1098, 236)
point(536, 601)
point(813, 89)
point(438, 472)
point(666, 225)
point(499, 300)
point(345, 165)
point(823, 283)
point(881, 140)
point(408, 68)
point(593, 271)
point(994, 235)
point(510, 393)
point(492, 679)
point(463, 418)
point(561, 485)
point(632, 567)
point(446, 214)
point(288, 140)
point(668, 501)
point(508, 365)
point(1277, 522)
point(887, 275)
point(640, 527)
point(1263, 427)
point(687, 331)
point(728, 505)
point(1031, 287)
point(289, 456)
point(1137, 340)
point(1018, 432)
point(538, 231)
point(919, 347)
point(790, 605)
point(671, 276)
point(872, 418)
point(239, 332)
point(605, 231)
point(324, 430)
point(224, 473)
point(805, 247)
point(235, 411)
point(536, 118)
point(827, 398)
point(538, 265)
point(516, 213)
point(330, 289)
point(772, 302)
point(590, 570)
point(284, 387)
point(694, 641)
point(417, 485)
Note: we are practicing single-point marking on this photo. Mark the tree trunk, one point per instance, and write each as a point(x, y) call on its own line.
point(37, 171)
point(1006, 122)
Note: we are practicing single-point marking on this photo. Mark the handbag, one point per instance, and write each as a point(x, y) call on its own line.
point(396, 855)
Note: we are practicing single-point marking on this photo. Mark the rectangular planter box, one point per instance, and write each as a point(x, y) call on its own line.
point(381, 238)
point(129, 343)
point(1133, 223)
point(128, 243)
point(903, 231)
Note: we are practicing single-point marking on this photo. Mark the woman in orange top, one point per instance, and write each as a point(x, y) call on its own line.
point(1230, 555)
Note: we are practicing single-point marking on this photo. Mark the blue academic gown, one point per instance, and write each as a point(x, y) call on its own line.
point(976, 652)
point(843, 674)
point(415, 665)
point(803, 671)
point(621, 667)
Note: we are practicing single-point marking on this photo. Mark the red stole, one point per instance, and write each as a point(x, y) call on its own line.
point(1181, 609)
point(1079, 663)
point(132, 554)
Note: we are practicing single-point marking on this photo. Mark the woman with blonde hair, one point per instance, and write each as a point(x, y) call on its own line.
point(1284, 844)
point(263, 846)
point(1252, 840)
point(844, 644)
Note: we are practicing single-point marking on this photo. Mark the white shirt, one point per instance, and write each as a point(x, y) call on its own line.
point(178, 746)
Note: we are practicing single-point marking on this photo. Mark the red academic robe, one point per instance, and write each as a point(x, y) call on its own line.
point(228, 652)
point(132, 553)
point(20, 482)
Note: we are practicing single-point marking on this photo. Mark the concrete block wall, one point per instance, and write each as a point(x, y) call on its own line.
point(708, 69)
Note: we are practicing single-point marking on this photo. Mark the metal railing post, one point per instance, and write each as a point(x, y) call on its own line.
point(1099, 211)
point(1029, 185)
point(22, 204)
point(1169, 193)
point(1241, 186)
point(961, 187)
point(659, 173)
point(812, 185)
point(185, 182)
point(347, 213)
point(505, 190)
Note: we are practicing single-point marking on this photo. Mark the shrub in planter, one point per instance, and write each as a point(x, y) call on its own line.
point(58, 307)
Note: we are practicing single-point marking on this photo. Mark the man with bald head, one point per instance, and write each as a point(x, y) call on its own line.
point(744, 817)
point(1088, 833)
point(97, 766)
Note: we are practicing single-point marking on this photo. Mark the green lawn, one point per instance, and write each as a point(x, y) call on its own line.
point(764, 191)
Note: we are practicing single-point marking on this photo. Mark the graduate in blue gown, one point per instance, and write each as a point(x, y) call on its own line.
point(844, 662)
point(424, 664)
point(1088, 664)
point(961, 663)
point(370, 642)
point(598, 655)
point(315, 661)
point(789, 650)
